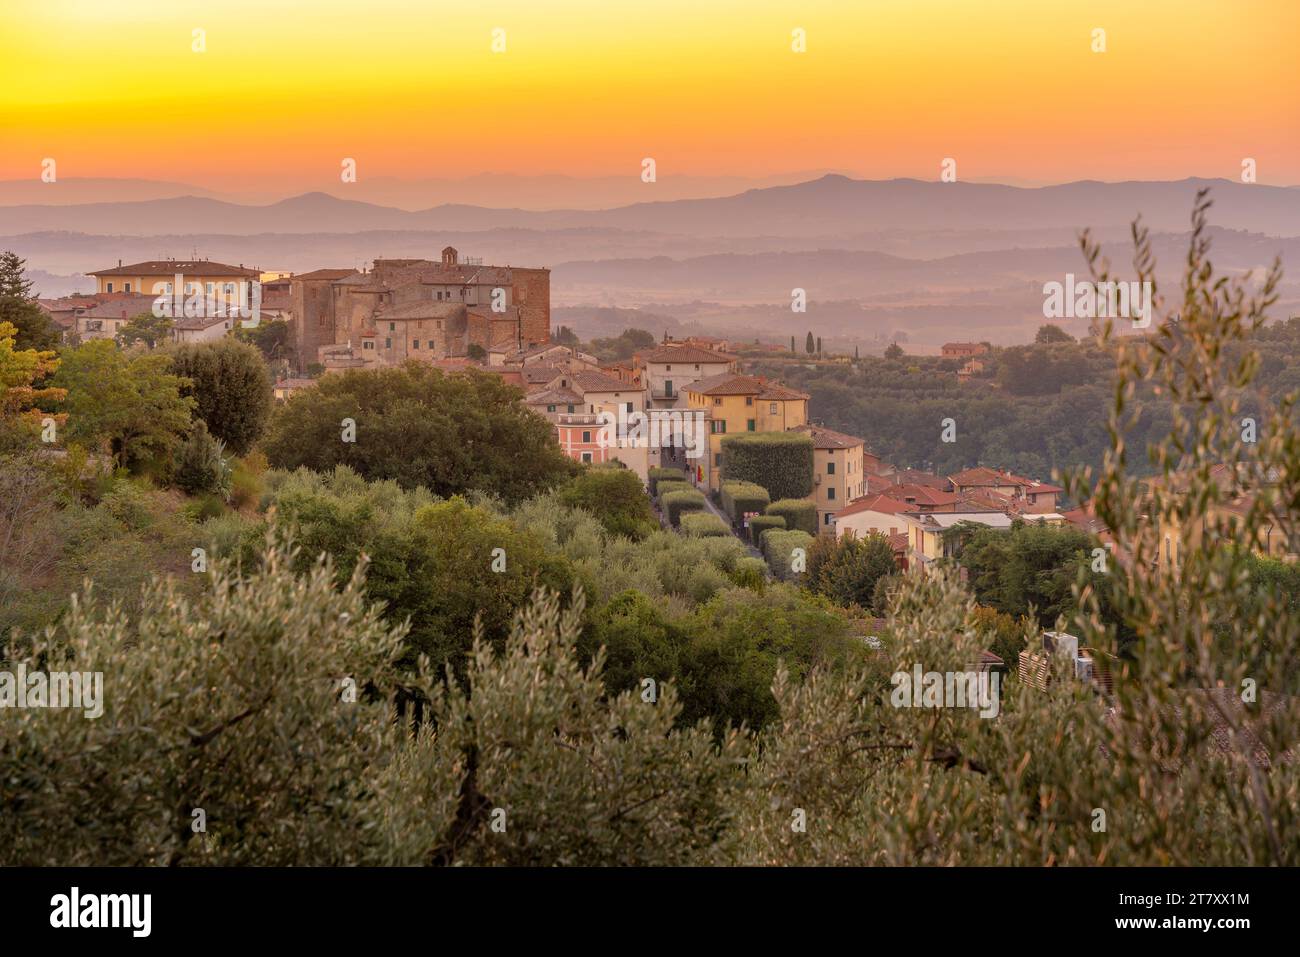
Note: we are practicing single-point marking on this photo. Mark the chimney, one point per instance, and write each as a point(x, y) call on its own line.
point(119, 264)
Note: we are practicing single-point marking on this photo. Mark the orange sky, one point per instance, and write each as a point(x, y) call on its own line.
point(411, 88)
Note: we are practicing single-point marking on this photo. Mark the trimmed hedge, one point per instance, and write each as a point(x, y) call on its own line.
point(778, 549)
point(664, 486)
point(704, 525)
point(799, 513)
point(749, 572)
point(685, 500)
point(741, 497)
point(781, 462)
point(761, 523)
point(658, 472)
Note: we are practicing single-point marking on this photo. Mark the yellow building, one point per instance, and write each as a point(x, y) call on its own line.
point(197, 277)
point(838, 477)
point(734, 403)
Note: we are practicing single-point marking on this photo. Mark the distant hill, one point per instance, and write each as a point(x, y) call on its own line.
point(829, 206)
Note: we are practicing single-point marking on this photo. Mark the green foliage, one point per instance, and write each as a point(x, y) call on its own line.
point(418, 427)
point(1028, 566)
point(781, 462)
point(781, 548)
point(846, 570)
point(657, 474)
point(1049, 333)
point(33, 329)
point(476, 352)
point(201, 465)
point(231, 386)
point(676, 503)
point(145, 328)
point(799, 513)
point(664, 486)
point(704, 525)
point(616, 497)
point(761, 523)
point(129, 403)
point(741, 497)
point(274, 339)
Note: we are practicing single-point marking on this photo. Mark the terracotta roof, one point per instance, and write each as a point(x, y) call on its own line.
point(773, 390)
point(824, 438)
point(593, 381)
point(120, 307)
point(326, 274)
point(423, 309)
point(898, 542)
point(726, 383)
point(917, 477)
point(169, 267)
point(921, 495)
point(683, 354)
point(553, 397)
point(874, 503)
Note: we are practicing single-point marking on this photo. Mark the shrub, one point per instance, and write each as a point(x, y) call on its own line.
point(750, 572)
point(779, 550)
point(741, 497)
point(799, 513)
point(781, 462)
point(657, 473)
point(761, 523)
point(201, 466)
point(704, 525)
point(232, 386)
point(664, 486)
point(616, 497)
point(686, 500)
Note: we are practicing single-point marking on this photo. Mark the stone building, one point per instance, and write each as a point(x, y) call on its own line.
point(420, 309)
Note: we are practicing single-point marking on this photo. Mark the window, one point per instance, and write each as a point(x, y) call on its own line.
point(392, 327)
point(210, 288)
point(415, 343)
point(749, 400)
point(110, 287)
point(586, 457)
point(717, 460)
point(439, 294)
point(419, 323)
point(629, 406)
point(668, 368)
point(388, 343)
point(550, 408)
point(771, 410)
point(719, 427)
point(167, 288)
point(717, 400)
point(126, 287)
point(830, 493)
point(830, 468)
point(750, 424)
point(570, 407)
point(827, 518)
point(367, 344)
point(668, 386)
point(189, 288)
point(586, 436)
point(230, 289)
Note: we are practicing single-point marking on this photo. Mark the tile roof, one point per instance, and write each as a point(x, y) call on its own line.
point(918, 477)
point(683, 354)
point(423, 309)
point(726, 383)
point(776, 391)
point(874, 503)
point(325, 274)
point(169, 267)
point(553, 397)
point(824, 438)
point(119, 307)
point(593, 381)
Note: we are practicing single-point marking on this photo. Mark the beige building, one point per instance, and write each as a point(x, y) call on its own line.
point(838, 476)
point(198, 277)
point(668, 370)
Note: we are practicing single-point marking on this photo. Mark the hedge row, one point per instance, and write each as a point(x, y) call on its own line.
point(683, 500)
point(799, 513)
point(741, 497)
point(658, 472)
point(761, 523)
point(779, 550)
point(664, 486)
point(781, 462)
point(704, 525)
